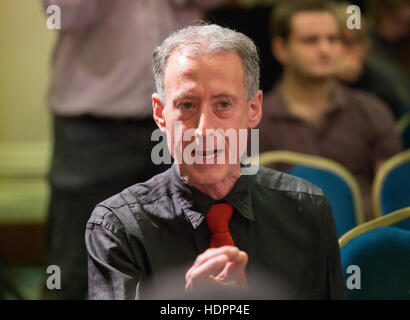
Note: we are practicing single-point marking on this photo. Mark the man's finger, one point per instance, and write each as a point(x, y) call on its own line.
point(201, 273)
point(230, 251)
point(234, 269)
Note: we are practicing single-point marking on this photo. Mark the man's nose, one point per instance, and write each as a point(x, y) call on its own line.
point(205, 122)
point(205, 130)
point(325, 46)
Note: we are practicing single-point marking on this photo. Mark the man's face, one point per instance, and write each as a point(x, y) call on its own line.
point(354, 48)
point(313, 45)
point(394, 26)
point(353, 45)
point(205, 92)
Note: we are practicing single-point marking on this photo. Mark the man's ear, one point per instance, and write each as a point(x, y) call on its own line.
point(255, 110)
point(158, 111)
point(278, 47)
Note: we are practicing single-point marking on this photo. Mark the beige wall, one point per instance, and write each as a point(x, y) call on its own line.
point(25, 50)
point(26, 46)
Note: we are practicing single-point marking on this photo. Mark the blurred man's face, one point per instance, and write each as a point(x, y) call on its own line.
point(395, 26)
point(313, 45)
point(353, 44)
point(204, 92)
point(353, 54)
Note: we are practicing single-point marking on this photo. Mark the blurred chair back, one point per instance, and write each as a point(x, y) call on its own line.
point(403, 127)
point(379, 253)
point(391, 186)
point(336, 182)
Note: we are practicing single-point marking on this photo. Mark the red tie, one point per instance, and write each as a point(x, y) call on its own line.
point(218, 223)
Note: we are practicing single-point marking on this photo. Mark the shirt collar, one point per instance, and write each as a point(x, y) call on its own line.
point(196, 204)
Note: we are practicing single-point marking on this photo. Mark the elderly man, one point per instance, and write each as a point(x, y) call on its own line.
point(217, 227)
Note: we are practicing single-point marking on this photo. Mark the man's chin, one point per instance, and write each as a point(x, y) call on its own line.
point(205, 173)
point(323, 74)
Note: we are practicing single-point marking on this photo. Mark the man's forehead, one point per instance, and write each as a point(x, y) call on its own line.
point(184, 56)
point(313, 21)
point(185, 65)
point(181, 62)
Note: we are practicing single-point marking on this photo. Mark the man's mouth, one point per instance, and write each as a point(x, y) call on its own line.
point(208, 155)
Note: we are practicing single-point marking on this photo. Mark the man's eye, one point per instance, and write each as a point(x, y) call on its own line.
point(310, 40)
point(224, 104)
point(186, 106)
point(334, 39)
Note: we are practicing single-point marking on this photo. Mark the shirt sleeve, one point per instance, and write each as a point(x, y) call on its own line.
point(113, 272)
point(334, 267)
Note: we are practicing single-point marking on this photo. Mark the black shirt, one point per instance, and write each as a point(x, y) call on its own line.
point(151, 229)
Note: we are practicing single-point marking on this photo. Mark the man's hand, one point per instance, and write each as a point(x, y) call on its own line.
point(217, 266)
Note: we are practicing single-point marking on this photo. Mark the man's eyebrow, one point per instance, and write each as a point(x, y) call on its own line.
point(184, 96)
point(225, 95)
point(193, 97)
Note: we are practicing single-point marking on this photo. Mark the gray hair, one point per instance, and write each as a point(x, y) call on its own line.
point(209, 39)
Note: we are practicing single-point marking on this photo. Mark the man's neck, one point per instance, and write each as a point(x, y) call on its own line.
point(217, 190)
point(308, 98)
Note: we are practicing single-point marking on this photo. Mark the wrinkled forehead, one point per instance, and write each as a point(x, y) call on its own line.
point(195, 48)
point(196, 65)
point(186, 59)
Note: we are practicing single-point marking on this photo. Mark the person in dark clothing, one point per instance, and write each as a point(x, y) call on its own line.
point(214, 221)
point(310, 111)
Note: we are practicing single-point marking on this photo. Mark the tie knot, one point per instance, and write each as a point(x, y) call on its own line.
point(218, 217)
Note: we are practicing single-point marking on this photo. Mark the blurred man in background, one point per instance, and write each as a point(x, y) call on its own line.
point(100, 97)
point(355, 69)
point(390, 34)
point(309, 111)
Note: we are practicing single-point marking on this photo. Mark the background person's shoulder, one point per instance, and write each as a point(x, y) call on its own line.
point(365, 102)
